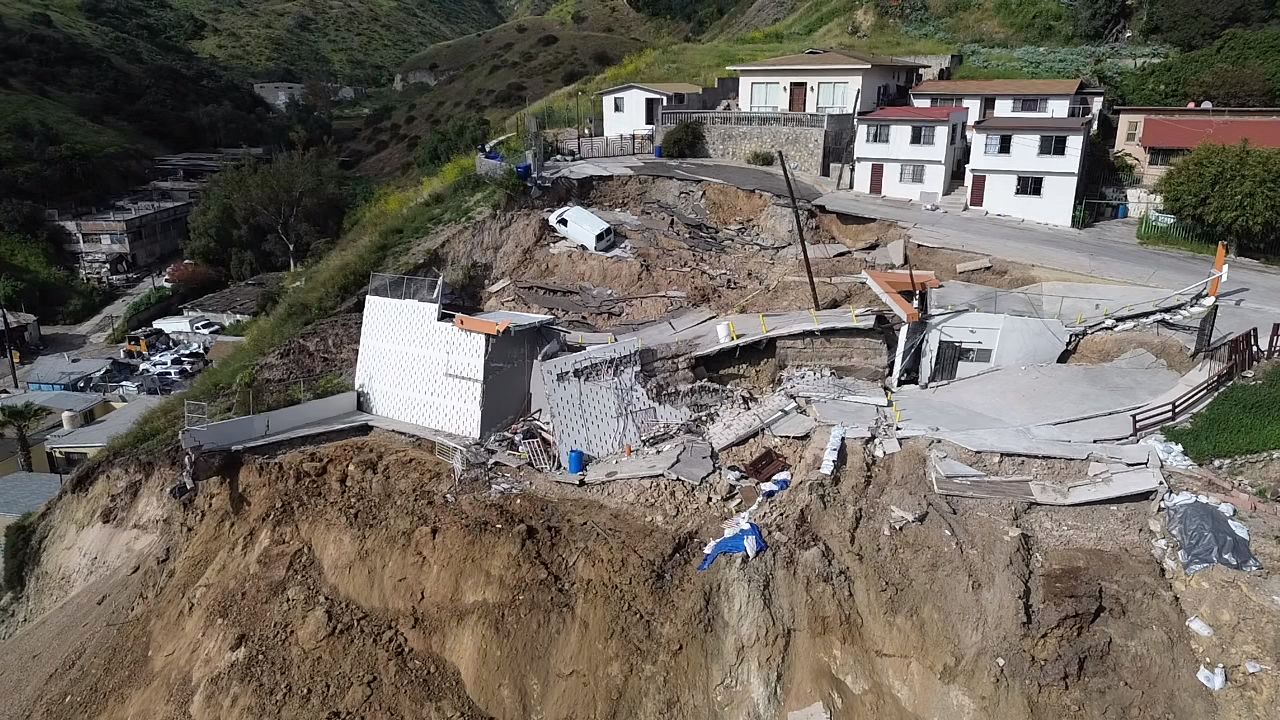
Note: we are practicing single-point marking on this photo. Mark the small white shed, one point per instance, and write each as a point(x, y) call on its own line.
point(633, 108)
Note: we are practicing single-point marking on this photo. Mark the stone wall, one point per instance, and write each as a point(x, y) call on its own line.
point(802, 146)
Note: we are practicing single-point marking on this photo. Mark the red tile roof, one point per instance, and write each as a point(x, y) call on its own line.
point(913, 113)
point(1186, 133)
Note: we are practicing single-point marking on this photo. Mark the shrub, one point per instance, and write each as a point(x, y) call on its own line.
point(547, 40)
point(685, 140)
point(572, 74)
point(21, 550)
point(760, 157)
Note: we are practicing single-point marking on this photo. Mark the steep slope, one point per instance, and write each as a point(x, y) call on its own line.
point(350, 40)
point(356, 579)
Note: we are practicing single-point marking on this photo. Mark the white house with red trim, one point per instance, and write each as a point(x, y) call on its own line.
point(912, 153)
point(1027, 168)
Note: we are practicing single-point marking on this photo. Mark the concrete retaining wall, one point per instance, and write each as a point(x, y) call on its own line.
point(802, 146)
point(220, 435)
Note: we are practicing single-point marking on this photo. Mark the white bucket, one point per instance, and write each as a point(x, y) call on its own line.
point(724, 332)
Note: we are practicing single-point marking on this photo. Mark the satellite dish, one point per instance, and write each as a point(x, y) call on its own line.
point(1206, 105)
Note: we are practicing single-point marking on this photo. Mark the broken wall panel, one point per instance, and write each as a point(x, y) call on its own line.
point(598, 403)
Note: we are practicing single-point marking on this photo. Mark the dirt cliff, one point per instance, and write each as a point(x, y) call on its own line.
point(358, 579)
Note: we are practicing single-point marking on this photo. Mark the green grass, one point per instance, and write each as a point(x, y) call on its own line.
point(1243, 420)
point(1171, 242)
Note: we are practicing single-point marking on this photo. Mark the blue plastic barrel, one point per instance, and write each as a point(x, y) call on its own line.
point(577, 462)
point(1122, 212)
point(657, 151)
point(523, 171)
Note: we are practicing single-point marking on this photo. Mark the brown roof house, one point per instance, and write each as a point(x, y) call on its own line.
point(1022, 99)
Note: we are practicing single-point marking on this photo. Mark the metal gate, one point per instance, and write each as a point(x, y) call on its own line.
point(946, 363)
point(607, 146)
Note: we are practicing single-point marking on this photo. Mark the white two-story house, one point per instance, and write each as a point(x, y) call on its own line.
point(1027, 168)
point(909, 153)
point(1012, 98)
point(823, 81)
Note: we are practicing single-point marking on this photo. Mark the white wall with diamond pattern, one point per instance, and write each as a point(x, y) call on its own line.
point(416, 369)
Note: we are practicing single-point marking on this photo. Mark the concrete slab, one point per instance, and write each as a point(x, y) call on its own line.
point(965, 267)
point(1034, 395)
point(1107, 486)
point(842, 412)
point(631, 468)
point(1020, 441)
point(696, 329)
point(794, 424)
point(693, 464)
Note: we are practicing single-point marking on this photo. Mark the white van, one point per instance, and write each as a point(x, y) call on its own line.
point(583, 228)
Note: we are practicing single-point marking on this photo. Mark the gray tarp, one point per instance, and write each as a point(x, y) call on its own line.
point(1207, 538)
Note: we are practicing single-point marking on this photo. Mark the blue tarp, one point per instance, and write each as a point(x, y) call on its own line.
point(746, 539)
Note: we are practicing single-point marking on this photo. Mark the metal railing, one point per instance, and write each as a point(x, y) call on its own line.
point(607, 146)
point(1233, 357)
point(712, 118)
point(404, 287)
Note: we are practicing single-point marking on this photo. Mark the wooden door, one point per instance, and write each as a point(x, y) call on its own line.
point(979, 191)
point(946, 362)
point(799, 92)
point(877, 179)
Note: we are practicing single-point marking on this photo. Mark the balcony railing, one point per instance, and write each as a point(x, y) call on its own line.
point(710, 118)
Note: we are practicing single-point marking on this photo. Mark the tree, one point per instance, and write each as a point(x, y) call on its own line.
point(1231, 189)
point(20, 420)
point(462, 134)
point(1234, 86)
point(1194, 24)
point(1100, 20)
point(1240, 66)
point(258, 217)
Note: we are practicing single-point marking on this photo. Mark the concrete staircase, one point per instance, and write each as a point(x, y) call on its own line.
point(956, 200)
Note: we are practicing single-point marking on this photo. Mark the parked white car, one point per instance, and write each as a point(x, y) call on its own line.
point(177, 372)
point(583, 228)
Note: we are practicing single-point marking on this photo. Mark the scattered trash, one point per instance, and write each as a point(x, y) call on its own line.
point(1215, 679)
point(1206, 537)
point(740, 536)
point(1171, 453)
point(1000, 661)
point(780, 482)
point(1199, 626)
point(537, 453)
point(831, 456)
point(902, 518)
point(1254, 668)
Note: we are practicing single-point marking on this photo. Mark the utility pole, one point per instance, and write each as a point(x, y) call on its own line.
point(804, 250)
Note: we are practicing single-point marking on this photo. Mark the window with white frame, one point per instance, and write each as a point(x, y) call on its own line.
point(913, 174)
point(1029, 185)
point(1053, 144)
point(999, 145)
point(766, 97)
point(922, 134)
point(1030, 105)
point(1131, 132)
point(832, 97)
point(945, 102)
point(877, 133)
point(618, 104)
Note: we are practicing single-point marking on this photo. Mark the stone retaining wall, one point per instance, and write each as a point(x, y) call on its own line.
point(802, 146)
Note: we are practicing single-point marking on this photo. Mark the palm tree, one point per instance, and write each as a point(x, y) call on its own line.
point(21, 420)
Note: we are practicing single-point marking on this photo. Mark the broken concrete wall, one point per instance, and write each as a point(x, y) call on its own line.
point(598, 403)
point(851, 353)
point(416, 369)
point(994, 341)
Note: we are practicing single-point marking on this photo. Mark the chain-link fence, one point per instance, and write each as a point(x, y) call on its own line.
point(263, 397)
point(404, 287)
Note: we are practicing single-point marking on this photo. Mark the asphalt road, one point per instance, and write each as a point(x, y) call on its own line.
point(1250, 296)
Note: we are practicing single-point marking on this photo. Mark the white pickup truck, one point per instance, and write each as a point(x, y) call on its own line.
point(187, 324)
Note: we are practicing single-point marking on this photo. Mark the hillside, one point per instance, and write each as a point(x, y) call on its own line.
point(350, 40)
